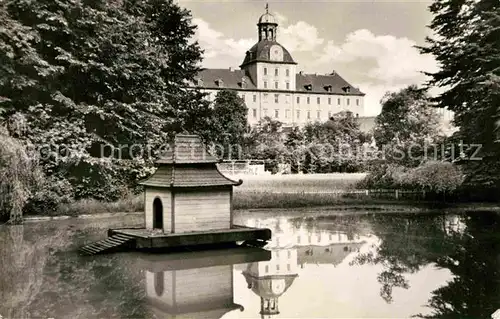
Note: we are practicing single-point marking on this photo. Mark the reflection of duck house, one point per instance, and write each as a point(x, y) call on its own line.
point(187, 202)
point(195, 285)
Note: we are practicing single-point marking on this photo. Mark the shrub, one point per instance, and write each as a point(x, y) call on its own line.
point(20, 177)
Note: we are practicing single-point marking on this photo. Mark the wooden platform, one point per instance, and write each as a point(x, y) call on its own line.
point(202, 259)
point(155, 239)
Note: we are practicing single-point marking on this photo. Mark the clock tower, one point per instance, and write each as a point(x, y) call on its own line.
point(269, 65)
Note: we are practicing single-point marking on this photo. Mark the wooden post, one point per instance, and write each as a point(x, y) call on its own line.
point(172, 212)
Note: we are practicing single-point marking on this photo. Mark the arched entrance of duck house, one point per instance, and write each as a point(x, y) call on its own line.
point(157, 213)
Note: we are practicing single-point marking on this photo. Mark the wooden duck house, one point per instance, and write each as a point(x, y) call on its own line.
point(187, 192)
point(188, 202)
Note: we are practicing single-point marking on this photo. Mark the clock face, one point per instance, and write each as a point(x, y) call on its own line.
point(276, 53)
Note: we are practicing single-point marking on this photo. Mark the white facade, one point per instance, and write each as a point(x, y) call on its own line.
point(292, 108)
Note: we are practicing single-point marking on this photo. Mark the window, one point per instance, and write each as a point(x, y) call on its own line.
point(288, 85)
point(276, 72)
point(348, 100)
point(289, 254)
point(267, 269)
point(287, 114)
point(276, 113)
point(276, 98)
point(278, 253)
point(309, 239)
point(298, 99)
point(265, 84)
point(357, 102)
point(308, 115)
point(265, 112)
point(318, 99)
point(338, 101)
point(275, 85)
point(255, 97)
point(265, 97)
point(287, 72)
point(265, 71)
point(287, 99)
point(254, 113)
point(329, 100)
point(318, 113)
point(330, 236)
point(298, 239)
point(308, 100)
point(278, 267)
point(329, 115)
point(298, 114)
point(288, 267)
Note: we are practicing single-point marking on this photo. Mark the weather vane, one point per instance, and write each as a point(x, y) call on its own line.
point(267, 7)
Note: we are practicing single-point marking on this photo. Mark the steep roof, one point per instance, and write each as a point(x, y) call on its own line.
point(187, 163)
point(260, 52)
point(332, 254)
point(186, 149)
point(189, 176)
point(322, 83)
point(238, 80)
point(232, 79)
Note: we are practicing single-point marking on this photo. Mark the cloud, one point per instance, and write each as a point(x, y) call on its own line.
point(396, 60)
point(216, 44)
point(300, 36)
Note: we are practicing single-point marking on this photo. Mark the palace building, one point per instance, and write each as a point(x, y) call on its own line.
point(271, 85)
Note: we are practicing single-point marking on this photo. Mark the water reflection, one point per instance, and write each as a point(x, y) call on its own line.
point(194, 285)
point(352, 266)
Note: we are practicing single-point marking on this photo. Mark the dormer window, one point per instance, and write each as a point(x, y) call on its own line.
point(347, 89)
point(328, 87)
point(243, 83)
point(219, 83)
point(308, 87)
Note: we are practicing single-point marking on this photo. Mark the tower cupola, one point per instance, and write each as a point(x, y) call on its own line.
point(267, 26)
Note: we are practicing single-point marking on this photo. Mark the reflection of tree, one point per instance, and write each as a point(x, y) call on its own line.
point(407, 243)
point(474, 260)
point(42, 276)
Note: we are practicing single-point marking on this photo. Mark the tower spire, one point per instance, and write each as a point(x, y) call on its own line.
point(267, 7)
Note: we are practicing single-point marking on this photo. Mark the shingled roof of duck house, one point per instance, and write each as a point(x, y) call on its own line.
point(187, 192)
point(187, 163)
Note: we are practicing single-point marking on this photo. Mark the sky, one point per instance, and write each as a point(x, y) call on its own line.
point(371, 44)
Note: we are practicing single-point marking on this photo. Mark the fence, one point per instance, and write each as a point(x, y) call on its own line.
point(371, 193)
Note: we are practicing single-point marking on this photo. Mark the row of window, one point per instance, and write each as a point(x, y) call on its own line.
point(308, 99)
point(277, 71)
point(288, 268)
point(276, 85)
point(288, 113)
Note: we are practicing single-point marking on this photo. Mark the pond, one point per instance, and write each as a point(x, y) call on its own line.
point(349, 265)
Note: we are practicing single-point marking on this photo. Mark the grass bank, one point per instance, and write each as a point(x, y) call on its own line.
point(270, 192)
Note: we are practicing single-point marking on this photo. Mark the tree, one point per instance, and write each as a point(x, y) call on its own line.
point(407, 123)
point(268, 143)
point(229, 122)
point(86, 74)
point(467, 49)
point(334, 145)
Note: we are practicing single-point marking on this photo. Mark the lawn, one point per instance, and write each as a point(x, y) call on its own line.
point(307, 183)
point(269, 191)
